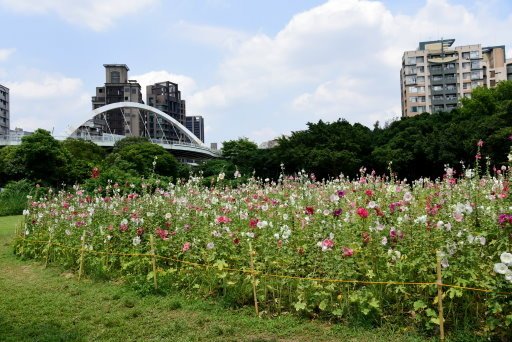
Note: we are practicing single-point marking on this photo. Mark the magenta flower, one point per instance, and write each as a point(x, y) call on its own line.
point(347, 252)
point(480, 143)
point(186, 246)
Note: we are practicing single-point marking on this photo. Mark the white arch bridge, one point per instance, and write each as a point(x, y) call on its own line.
point(137, 120)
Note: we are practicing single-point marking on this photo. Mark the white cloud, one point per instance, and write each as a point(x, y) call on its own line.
point(5, 54)
point(50, 101)
point(97, 15)
point(339, 59)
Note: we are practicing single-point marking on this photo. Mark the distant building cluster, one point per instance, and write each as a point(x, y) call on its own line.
point(435, 76)
point(164, 96)
point(4, 110)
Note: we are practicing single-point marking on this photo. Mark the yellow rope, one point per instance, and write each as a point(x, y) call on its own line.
point(353, 281)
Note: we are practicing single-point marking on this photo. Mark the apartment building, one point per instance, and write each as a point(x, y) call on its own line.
point(4, 110)
point(166, 96)
point(195, 124)
point(435, 76)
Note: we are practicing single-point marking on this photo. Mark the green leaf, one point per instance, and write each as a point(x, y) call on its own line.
point(419, 304)
point(322, 305)
point(299, 306)
point(220, 264)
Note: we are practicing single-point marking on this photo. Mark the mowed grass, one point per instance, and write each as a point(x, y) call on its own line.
point(38, 304)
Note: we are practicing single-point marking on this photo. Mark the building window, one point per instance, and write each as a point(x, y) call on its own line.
point(413, 99)
point(465, 55)
point(450, 66)
point(410, 80)
point(410, 60)
point(437, 78)
point(466, 76)
point(115, 77)
point(466, 65)
point(466, 86)
point(474, 54)
point(420, 59)
point(420, 79)
point(475, 65)
point(475, 75)
point(437, 88)
point(420, 69)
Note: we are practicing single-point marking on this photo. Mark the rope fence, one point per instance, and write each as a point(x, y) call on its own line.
point(272, 275)
point(255, 273)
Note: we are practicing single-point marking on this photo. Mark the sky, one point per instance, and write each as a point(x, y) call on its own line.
point(252, 68)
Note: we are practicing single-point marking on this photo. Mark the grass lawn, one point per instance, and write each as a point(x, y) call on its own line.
point(38, 304)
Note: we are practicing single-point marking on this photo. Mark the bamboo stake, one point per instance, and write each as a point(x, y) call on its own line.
point(440, 298)
point(82, 251)
point(48, 251)
point(253, 275)
point(153, 260)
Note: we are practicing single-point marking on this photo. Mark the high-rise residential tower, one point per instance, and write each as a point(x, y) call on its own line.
point(4, 110)
point(195, 124)
point(167, 97)
point(435, 76)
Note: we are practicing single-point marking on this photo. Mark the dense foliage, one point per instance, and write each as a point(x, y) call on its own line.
point(368, 229)
point(419, 146)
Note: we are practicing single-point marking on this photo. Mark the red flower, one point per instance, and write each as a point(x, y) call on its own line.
point(310, 210)
point(253, 222)
point(95, 173)
point(362, 212)
point(369, 193)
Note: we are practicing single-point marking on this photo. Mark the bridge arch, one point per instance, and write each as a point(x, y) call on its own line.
point(121, 105)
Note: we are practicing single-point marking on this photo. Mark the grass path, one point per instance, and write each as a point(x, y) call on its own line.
point(38, 304)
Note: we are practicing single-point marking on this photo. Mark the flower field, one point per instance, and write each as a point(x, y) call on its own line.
point(345, 250)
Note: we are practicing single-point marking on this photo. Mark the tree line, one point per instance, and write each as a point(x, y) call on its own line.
point(419, 146)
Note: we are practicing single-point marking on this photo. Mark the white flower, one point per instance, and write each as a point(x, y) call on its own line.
point(210, 245)
point(372, 204)
point(276, 236)
point(136, 240)
point(168, 216)
point(68, 232)
point(264, 207)
point(482, 240)
point(285, 216)
point(262, 224)
point(506, 258)
point(26, 212)
point(508, 275)
point(220, 176)
point(444, 263)
point(407, 197)
point(249, 234)
point(334, 198)
point(469, 173)
point(384, 241)
point(500, 268)
point(421, 219)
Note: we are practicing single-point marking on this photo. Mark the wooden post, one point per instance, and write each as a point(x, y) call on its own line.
point(253, 275)
point(82, 251)
point(153, 260)
point(440, 297)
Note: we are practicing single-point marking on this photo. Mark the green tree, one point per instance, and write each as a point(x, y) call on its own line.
point(84, 156)
point(42, 158)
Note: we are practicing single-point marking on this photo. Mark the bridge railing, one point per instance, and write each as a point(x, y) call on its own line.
point(111, 139)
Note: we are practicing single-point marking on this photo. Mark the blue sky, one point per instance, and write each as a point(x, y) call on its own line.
point(255, 69)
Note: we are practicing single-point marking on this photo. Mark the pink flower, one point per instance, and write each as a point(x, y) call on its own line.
point(347, 252)
point(362, 212)
point(186, 246)
point(480, 143)
point(222, 219)
point(164, 234)
point(326, 244)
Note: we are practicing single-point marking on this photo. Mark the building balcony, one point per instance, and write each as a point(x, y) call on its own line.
point(98, 99)
point(436, 70)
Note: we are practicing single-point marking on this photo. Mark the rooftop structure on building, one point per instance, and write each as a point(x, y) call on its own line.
point(4, 110)
point(435, 76)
